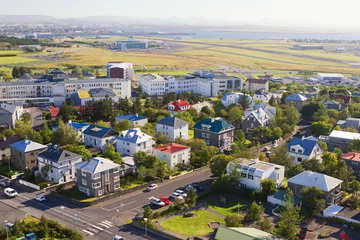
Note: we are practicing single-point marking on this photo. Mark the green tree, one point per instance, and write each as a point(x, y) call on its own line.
point(244, 102)
point(78, 149)
point(15, 72)
point(254, 212)
point(276, 133)
point(123, 125)
point(208, 111)
point(102, 123)
point(267, 225)
point(67, 112)
point(111, 154)
point(354, 185)
point(191, 198)
point(218, 164)
point(162, 138)
point(149, 128)
point(235, 116)
point(64, 135)
point(310, 108)
point(233, 220)
point(148, 213)
point(26, 117)
point(354, 146)
point(320, 128)
point(312, 165)
point(46, 134)
point(312, 198)
point(76, 70)
point(351, 129)
point(280, 156)
point(268, 186)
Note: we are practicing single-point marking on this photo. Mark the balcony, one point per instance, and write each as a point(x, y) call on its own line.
point(337, 195)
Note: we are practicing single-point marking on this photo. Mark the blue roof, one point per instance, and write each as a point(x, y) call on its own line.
point(215, 125)
point(75, 125)
point(296, 97)
point(130, 117)
point(307, 144)
point(100, 132)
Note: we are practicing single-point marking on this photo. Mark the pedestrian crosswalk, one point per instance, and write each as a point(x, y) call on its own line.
point(94, 229)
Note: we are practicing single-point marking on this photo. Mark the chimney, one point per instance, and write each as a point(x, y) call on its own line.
point(256, 160)
point(302, 137)
point(4, 138)
point(69, 122)
point(178, 100)
point(212, 120)
point(136, 114)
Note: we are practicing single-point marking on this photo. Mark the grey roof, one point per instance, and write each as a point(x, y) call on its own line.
point(11, 108)
point(270, 111)
point(55, 154)
point(319, 180)
point(102, 92)
point(27, 146)
point(296, 97)
point(256, 81)
point(172, 122)
point(259, 114)
point(96, 165)
point(152, 77)
point(26, 76)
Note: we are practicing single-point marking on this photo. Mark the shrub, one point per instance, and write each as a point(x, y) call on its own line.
point(60, 188)
point(45, 184)
point(188, 214)
point(156, 215)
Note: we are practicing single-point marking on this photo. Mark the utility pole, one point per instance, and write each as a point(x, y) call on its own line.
point(6, 228)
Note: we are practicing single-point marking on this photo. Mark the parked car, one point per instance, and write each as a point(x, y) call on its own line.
point(165, 200)
point(152, 187)
point(267, 149)
point(117, 237)
point(198, 187)
point(40, 198)
point(5, 183)
point(176, 195)
point(157, 202)
point(189, 187)
point(10, 192)
point(181, 193)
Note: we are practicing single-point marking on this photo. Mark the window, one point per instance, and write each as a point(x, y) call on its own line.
point(96, 176)
point(299, 159)
point(100, 192)
point(107, 176)
point(116, 186)
point(293, 150)
point(299, 151)
point(84, 182)
point(251, 177)
point(243, 175)
point(116, 169)
point(96, 185)
point(32, 161)
point(116, 178)
point(83, 173)
point(32, 154)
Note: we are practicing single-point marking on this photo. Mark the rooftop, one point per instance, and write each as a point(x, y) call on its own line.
point(243, 233)
point(84, 94)
point(353, 156)
point(102, 92)
point(100, 132)
point(171, 148)
point(213, 125)
point(256, 81)
point(55, 154)
point(172, 122)
point(255, 163)
point(130, 117)
point(296, 97)
point(27, 146)
point(307, 144)
point(344, 135)
point(150, 77)
point(333, 75)
point(96, 165)
point(319, 180)
point(134, 135)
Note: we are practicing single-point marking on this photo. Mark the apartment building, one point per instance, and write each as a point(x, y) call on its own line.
point(120, 70)
point(24, 154)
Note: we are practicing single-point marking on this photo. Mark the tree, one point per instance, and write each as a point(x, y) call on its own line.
point(312, 198)
point(136, 106)
point(149, 128)
point(45, 171)
point(208, 111)
point(312, 165)
point(354, 146)
point(288, 226)
point(64, 135)
point(254, 212)
point(235, 116)
point(148, 213)
point(15, 72)
point(218, 164)
point(310, 108)
point(67, 112)
point(320, 128)
point(354, 185)
point(26, 117)
point(191, 198)
point(162, 138)
point(78, 149)
point(233, 220)
point(268, 186)
point(267, 225)
point(351, 129)
point(46, 134)
point(122, 125)
point(244, 102)
point(111, 154)
point(280, 156)
point(276, 133)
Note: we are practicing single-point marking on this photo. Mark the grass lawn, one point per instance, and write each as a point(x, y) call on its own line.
point(194, 226)
point(5, 52)
point(77, 195)
point(232, 206)
point(4, 170)
point(191, 133)
point(130, 182)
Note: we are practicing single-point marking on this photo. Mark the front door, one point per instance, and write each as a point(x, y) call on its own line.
point(107, 188)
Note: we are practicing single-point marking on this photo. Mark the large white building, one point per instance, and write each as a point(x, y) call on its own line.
point(153, 84)
point(252, 171)
point(173, 154)
point(132, 141)
point(330, 77)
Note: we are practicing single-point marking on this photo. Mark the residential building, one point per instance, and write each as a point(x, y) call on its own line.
point(296, 99)
point(153, 84)
point(330, 77)
point(253, 84)
point(78, 127)
point(304, 149)
point(178, 106)
point(339, 139)
point(352, 159)
point(269, 110)
point(252, 171)
point(261, 95)
point(132, 141)
point(120, 70)
point(254, 119)
point(349, 122)
point(5, 143)
point(98, 137)
point(134, 119)
point(83, 97)
point(129, 167)
point(9, 114)
point(173, 154)
point(97, 177)
point(24, 154)
point(61, 164)
point(215, 132)
point(173, 127)
point(331, 104)
point(330, 185)
point(243, 233)
point(234, 97)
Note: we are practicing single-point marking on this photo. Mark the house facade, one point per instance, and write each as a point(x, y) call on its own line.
point(261, 95)
point(304, 149)
point(5, 152)
point(132, 141)
point(134, 119)
point(61, 163)
point(9, 114)
point(329, 185)
point(340, 139)
point(24, 154)
point(234, 97)
point(252, 171)
point(296, 99)
point(178, 106)
point(254, 119)
point(216, 133)
point(253, 84)
point(98, 137)
point(173, 154)
point(97, 177)
point(173, 127)
point(352, 159)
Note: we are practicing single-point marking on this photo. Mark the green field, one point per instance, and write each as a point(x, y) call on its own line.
point(232, 206)
point(5, 52)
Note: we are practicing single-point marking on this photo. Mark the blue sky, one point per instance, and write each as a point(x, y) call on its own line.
point(280, 12)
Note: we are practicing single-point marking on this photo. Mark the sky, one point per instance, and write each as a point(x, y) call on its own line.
point(324, 13)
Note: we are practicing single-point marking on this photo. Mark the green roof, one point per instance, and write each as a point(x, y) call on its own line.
point(225, 233)
point(214, 125)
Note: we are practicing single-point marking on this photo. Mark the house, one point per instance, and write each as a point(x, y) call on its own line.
point(78, 127)
point(173, 154)
point(215, 132)
point(132, 141)
point(278, 198)
point(83, 97)
point(304, 149)
point(234, 97)
point(5, 143)
point(10, 113)
point(173, 127)
point(349, 122)
point(296, 99)
point(243, 233)
point(24, 154)
point(339, 139)
point(253, 84)
point(178, 106)
point(54, 112)
point(97, 177)
point(331, 104)
point(252, 171)
point(261, 95)
point(352, 159)
point(254, 119)
point(98, 137)
point(134, 119)
point(129, 167)
point(61, 164)
point(269, 110)
point(330, 185)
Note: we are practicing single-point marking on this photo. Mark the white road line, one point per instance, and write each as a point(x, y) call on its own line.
point(97, 227)
point(93, 230)
point(122, 205)
point(108, 222)
point(90, 233)
point(104, 225)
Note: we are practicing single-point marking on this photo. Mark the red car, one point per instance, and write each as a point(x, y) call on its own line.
point(165, 200)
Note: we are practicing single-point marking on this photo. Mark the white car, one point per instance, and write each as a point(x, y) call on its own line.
point(176, 195)
point(189, 187)
point(181, 193)
point(10, 192)
point(40, 198)
point(117, 237)
point(157, 202)
point(151, 187)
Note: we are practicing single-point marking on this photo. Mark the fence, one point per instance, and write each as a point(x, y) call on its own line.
point(29, 184)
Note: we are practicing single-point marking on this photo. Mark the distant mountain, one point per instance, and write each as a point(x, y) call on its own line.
point(27, 19)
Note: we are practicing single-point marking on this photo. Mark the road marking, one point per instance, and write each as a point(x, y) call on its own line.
point(97, 227)
point(93, 230)
point(107, 222)
point(122, 205)
point(90, 233)
point(104, 225)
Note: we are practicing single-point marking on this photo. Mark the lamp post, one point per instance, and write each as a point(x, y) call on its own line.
point(75, 220)
point(146, 219)
point(6, 229)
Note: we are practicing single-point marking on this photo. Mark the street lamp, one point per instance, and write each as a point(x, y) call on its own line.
point(6, 228)
point(75, 219)
point(146, 219)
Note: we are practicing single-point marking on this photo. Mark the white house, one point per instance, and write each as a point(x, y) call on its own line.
point(9, 114)
point(304, 149)
point(173, 154)
point(98, 137)
point(173, 127)
point(61, 163)
point(134, 119)
point(261, 95)
point(132, 141)
point(252, 171)
point(234, 97)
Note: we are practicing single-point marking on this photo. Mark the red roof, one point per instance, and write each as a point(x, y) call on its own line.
point(179, 103)
point(172, 148)
point(353, 156)
point(54, 111)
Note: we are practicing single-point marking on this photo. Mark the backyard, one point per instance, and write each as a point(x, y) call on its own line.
point(231, 206)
